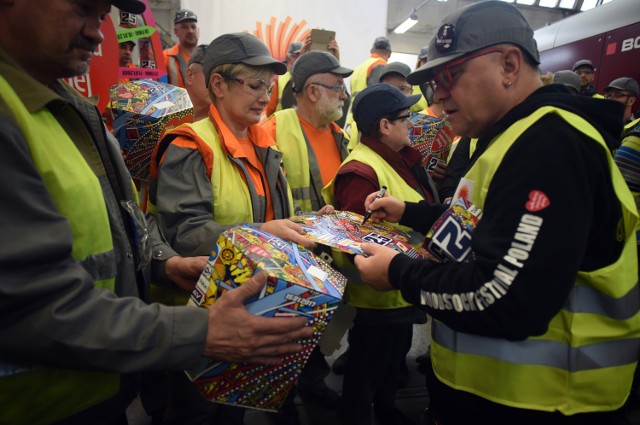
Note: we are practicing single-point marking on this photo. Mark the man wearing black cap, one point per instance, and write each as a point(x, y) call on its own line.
point(384, 321)
point(177, 57)
point(525, 328)
point(586, 71)
point(625, 91)
point(313, 145)
point(76, 248)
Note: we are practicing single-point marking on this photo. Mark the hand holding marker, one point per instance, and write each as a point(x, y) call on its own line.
point(380, 194)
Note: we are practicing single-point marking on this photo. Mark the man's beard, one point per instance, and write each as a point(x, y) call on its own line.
point(328, 109)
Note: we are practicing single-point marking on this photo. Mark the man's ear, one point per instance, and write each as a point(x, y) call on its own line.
point(631, 101)
point(384, 127)
point(512, 59)
point(189, 76)
point(313, 92)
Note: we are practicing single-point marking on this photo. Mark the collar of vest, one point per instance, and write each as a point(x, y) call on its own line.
point(174, 50)
point(258, 136)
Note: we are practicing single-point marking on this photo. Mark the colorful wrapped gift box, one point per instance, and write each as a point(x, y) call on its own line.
point(141, 112)
point(344, 231)
point(432, 137)
point(299, 284)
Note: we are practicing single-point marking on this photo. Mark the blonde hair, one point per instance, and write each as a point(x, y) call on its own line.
point(547, 78)
point(264, 73)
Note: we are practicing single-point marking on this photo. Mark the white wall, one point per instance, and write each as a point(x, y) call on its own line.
point(356, 23)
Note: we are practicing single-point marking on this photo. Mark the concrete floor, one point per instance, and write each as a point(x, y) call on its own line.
point(412, 400)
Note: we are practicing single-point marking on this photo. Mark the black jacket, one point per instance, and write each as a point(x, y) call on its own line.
point(579, 230)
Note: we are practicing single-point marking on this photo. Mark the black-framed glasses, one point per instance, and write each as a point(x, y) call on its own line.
point(406, 118)
point(258, 86)
point(446, 77)
point(617, 94)
point(337, 88)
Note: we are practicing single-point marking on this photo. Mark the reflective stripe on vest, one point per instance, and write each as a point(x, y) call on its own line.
point(358, 293)
point(43, 395)
point(300, 161)
point(585, 360)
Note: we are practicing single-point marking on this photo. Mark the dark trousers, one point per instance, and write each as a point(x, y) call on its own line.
point(314, 371)
point(177, 399)
point(373, 365)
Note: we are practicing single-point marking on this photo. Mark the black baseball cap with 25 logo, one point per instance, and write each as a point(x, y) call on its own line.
point(476, 27)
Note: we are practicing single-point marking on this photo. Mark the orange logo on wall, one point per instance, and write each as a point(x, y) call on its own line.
point(278, 41)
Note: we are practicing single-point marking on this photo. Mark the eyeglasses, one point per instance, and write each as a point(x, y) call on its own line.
point(406, 89)
point(445, 78)
point(258, 86)
point(584, 71)
point(405, 118)
point(337, 88)
point(616, 95)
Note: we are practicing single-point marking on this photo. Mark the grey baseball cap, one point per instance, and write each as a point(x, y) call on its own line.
point(422, 54)
point(568, 78)
point(476, 27)
point(624, 83)
point(131, 6)
point(198, 54)
point(583, 63)
point(381, 43)
point(377, 101)
point(312, 63)
point(295, 47)
point(185, 15)
point(394, 68)
point(239, 47)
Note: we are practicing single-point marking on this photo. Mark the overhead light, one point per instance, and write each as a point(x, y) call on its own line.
point(407, 24)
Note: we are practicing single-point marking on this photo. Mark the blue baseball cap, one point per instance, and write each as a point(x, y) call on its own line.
point(378, 101)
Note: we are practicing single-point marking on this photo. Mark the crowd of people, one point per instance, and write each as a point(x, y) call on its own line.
point(539, 324)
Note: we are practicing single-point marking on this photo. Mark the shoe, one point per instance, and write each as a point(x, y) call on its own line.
point(340, 364)
point(320, 394)
point(391, 416)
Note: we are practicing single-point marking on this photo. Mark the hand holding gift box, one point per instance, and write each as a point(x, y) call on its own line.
point(299, 284)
